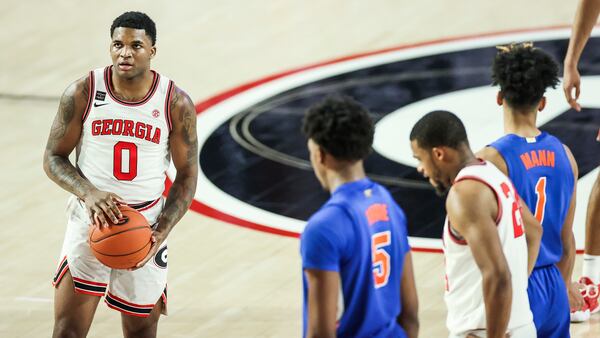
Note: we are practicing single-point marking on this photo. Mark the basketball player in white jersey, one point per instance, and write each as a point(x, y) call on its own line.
point(126, 122)
point(488, 258)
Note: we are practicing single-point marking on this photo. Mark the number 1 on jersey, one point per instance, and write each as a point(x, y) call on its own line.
point(381, 259)
point(540, 206)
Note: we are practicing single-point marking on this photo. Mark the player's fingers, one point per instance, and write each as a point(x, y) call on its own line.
point(567, 89)
point(150, 254)
point(94, 215)
point(101, 219)
point(108, 212)
point(117, 198)
point(95, 219)
point(114, 207)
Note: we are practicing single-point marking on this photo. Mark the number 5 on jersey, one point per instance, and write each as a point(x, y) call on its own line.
point(381, 259)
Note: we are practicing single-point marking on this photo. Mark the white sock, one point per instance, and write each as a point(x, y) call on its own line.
point(591, 267)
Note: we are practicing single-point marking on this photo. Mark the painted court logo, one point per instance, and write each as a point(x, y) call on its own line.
point(255, 170)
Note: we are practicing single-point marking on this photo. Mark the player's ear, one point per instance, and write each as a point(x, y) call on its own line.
point(437, 153)
point(321, 154)
point(152, 52)
point(499, 98)
point(542, 104)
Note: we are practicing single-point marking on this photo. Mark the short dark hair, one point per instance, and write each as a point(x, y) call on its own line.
point(439, 128)
point(341, 126)
point(523, 73)
point(136, 20)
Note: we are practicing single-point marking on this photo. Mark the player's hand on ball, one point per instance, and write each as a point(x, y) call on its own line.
point(157, 239)
point(103, 205)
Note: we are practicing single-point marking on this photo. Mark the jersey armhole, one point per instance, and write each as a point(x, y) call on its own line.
point(478, 179)
point(170, 89)
point(91, 91)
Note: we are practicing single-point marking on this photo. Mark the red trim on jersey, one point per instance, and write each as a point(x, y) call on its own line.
point(91, 95)
point(109, 89)
point(479, 179)
point(168, 104)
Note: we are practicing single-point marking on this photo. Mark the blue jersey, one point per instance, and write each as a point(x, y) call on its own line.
point(361, 234)
point(542, 174)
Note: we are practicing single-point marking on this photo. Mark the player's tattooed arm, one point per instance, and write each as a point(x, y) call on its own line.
point(184, 151)
point(183, 145)
point(64, 137)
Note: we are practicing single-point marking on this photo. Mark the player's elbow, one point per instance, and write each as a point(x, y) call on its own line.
point(534, 233)
point(47, 163)
point(409, 320)
point(498, 279)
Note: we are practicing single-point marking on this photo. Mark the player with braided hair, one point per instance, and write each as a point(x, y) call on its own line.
point(544, 173)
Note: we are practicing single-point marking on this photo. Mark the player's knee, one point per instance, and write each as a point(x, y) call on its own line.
point(64, 328)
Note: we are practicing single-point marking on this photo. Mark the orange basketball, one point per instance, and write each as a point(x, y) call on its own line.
point(122, 245)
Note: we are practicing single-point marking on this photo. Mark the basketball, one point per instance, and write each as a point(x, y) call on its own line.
point(122, 245)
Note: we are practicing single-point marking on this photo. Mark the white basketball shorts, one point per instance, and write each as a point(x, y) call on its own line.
point(131, 292)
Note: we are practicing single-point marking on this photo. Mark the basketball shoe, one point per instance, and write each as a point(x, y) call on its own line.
point(590, 294)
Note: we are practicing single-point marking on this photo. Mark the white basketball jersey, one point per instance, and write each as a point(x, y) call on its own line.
point(124, 146)
point(464, 291)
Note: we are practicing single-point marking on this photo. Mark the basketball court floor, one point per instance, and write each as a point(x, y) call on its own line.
point(252, 67)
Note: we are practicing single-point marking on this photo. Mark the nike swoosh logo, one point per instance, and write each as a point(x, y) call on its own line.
point(100, 104)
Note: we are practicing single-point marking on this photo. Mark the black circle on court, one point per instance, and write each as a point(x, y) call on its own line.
point(259, 156)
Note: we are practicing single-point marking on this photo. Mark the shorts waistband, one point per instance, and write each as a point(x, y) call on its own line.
point(144, 205)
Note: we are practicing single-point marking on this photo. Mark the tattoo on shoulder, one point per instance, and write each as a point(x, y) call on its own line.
point(184, 106)
point(66, 112)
